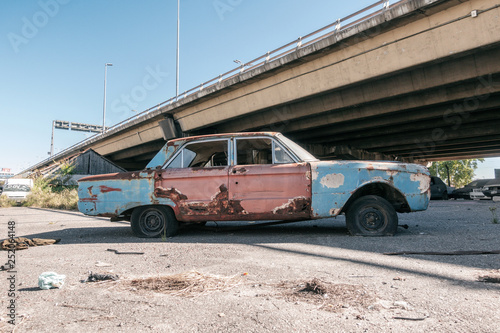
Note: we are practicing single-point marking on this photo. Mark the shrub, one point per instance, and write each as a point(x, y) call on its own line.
point(6, 202)
point(50, 192)
point(45, 196)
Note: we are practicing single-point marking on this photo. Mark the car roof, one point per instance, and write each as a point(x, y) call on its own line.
point(490, 182)
point(223, 135)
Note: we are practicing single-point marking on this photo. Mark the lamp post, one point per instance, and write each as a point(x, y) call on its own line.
point(52, 139)
point(177, 57)
point(104, 103)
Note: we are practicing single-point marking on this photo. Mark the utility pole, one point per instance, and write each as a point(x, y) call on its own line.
point(104, 103)
point(52, 139)
point(177, 58)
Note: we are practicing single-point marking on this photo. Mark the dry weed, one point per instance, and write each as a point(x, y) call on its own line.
point(45, 198)
point(6, 202)
point(189, 284)
point(328, 296)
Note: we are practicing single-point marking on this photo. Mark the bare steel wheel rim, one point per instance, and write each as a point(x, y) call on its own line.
point(152, 221)
point(372, 219)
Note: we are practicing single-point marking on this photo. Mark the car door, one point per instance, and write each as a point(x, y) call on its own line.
point(267, 183)
point(196, 180)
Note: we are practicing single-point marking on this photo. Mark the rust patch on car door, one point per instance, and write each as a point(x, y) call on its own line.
point(220, 205)
point(270, 191)
point(199, 194)
point(170, 193)
point(105, 189)
point(294, 206)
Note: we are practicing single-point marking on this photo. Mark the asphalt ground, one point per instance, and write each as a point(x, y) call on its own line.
point(394, 293)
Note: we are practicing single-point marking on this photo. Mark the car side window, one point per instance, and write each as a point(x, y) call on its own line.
point(260, 151)
point(254, 151)
point(204, 154)
point(281, 156)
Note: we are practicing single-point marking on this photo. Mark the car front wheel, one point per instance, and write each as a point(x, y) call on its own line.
point(154, 221)
point(371, 215)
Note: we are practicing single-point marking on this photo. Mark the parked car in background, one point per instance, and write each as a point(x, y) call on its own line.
point(251, 177)
point(477, 193)
point(465, 192)
point(439, 190)
point(492, 188)
point(17, 189)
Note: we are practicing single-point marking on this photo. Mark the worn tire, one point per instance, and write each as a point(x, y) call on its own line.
point(371, 215)
point(150, 221)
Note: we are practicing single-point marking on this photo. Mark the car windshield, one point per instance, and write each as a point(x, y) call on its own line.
point(16, 188)
point(204, 154)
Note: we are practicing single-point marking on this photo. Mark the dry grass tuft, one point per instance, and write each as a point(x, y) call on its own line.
point(46, 198)
point(327, 296)
point(6, 202)
point(189, 284)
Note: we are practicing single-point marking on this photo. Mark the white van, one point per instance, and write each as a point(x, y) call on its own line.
point(17, 189)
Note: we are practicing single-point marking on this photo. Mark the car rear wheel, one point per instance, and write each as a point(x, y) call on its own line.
point(154, 221)
point(371, 215)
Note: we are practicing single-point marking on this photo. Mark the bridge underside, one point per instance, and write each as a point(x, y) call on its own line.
point(455, 115)
point(452, 114)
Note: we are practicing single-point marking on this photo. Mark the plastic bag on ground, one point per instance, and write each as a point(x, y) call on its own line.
point(48, 280)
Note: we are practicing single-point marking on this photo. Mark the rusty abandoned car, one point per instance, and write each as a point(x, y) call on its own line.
point(254, 176)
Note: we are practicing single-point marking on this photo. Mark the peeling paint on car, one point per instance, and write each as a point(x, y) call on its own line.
point(220, 205)
point(423, 180)
point(334, 180)
point(328, 202)
point(314, 172)
point(105, 189)
point(170, 193)
point(113, 194)
point(295, 205)
point(165, 154)
point(335, 211)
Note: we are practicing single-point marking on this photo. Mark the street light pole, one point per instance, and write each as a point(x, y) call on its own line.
point(52, 139)
point(177, 62)
point(104, 103)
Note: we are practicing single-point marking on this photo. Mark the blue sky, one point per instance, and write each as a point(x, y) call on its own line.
point(52, 56)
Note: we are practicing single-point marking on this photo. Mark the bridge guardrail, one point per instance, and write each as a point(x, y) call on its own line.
point(331, 29)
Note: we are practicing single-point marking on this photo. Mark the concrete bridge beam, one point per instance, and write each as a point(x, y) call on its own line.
point(445, 33)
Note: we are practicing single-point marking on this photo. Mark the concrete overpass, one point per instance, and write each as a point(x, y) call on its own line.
point(418, 81)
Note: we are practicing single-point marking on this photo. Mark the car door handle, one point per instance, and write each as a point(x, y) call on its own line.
point(239, 170)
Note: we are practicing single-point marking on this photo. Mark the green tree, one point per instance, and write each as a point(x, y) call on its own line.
point(461, 172)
